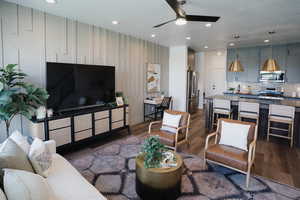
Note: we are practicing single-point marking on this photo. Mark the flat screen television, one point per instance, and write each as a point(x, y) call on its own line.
point(77, 86)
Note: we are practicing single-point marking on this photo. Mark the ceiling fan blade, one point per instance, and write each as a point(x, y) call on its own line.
point(200, 18)
point(159, 25)
point(176, 7)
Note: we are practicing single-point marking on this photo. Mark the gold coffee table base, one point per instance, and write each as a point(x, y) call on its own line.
point(158, 183)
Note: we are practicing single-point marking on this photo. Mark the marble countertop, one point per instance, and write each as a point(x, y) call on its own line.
point(287, 102)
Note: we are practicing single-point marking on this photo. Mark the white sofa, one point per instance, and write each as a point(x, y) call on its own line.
point(66, 182)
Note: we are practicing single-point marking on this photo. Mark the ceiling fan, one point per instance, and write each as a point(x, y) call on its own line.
point(182, 18)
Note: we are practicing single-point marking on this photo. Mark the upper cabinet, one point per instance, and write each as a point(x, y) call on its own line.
point(293, 63)
point(278, 52)
point(253, 58)
point(249, 58)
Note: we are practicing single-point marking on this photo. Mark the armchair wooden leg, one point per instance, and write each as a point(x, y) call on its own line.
point(248, 177)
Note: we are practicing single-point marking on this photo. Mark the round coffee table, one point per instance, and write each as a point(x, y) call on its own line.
point(158, 183)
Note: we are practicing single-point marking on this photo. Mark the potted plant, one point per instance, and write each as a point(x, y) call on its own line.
point(18, 97)
point(153, 151)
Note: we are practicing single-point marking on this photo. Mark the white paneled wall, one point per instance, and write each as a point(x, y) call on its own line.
point(30, 38)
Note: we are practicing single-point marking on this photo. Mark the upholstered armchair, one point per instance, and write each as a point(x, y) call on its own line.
point(170, 139)
point(229, 156)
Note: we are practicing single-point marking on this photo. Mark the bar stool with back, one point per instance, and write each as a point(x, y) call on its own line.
point(283, 115)
point(248, 110)
point(221, 107)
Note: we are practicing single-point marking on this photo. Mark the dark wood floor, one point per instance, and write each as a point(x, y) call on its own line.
point(274, 160)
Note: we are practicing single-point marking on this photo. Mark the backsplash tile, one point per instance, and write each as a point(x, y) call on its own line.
point(256, 87)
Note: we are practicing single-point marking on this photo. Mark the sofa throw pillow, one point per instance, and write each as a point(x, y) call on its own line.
point(235, 135)
point(19, 184)
point(170, 122)
point(2, 195)
point(40, 157)
point(18, 138)
point(12, 156)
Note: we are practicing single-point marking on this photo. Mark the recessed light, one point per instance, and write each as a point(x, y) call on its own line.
point(231, 44)
point(208, 25)
point(51, 1)
point(266, 41)
point(188, 38)
point(205, 47)
point(115, 22)
point(153, 35)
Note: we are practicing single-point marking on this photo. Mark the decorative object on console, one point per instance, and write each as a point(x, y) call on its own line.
point(153, 78)
point(18, 97)
point(119, 101)
point(41, 112)
point(49, 113)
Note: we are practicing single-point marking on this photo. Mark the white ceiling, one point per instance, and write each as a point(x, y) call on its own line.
point(251, 19)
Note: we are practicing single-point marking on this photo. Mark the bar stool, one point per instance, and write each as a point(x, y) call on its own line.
point(249, 111)
point(284, 115)
point(221, 107)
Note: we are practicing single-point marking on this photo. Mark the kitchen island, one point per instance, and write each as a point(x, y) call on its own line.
point(264, 103)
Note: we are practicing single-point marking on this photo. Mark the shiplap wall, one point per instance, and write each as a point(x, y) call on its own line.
point(30, 38)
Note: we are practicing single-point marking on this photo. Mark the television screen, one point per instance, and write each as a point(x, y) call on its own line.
point(73, 86)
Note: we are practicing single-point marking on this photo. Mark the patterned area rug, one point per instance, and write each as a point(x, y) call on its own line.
point(111, 169)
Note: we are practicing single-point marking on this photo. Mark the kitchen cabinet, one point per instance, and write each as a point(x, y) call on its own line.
point(279, 54)
point(249, 58)
point(253, 58)
point(293, 63)
point(233, 76)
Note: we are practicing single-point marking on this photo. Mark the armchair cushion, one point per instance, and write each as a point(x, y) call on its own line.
point(227, 155)
point(234, 134)
point(251, 134)
point(167, 138)
point(170, 122)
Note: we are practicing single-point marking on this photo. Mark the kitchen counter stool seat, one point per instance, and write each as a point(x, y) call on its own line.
point(283, 115)
point(249, 110)
point(221, 107)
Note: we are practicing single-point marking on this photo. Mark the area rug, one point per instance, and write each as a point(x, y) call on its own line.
point(111, 169)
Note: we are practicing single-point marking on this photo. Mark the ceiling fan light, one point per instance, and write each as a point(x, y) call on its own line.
point(180, 21)
point(270, 65)
point(236, 66)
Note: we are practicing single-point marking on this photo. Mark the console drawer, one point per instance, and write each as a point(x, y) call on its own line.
point(59, 123)
point(118, 124)
point(101, 126)
point(101, 115)
point(82, 122)
point(61, 136)
point(83, 134)
point(117, 114)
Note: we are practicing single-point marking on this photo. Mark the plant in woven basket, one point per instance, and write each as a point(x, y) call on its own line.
point(18, 97)
point(153, 152)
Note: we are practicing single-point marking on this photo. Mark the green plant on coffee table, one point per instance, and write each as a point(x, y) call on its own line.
point(153, 152)
point(18, 97)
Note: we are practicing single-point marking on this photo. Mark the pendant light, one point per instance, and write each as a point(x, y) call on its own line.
point(236, 65)
point(271, 65)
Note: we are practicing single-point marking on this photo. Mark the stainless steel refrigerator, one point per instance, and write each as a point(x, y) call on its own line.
point(192, 91)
